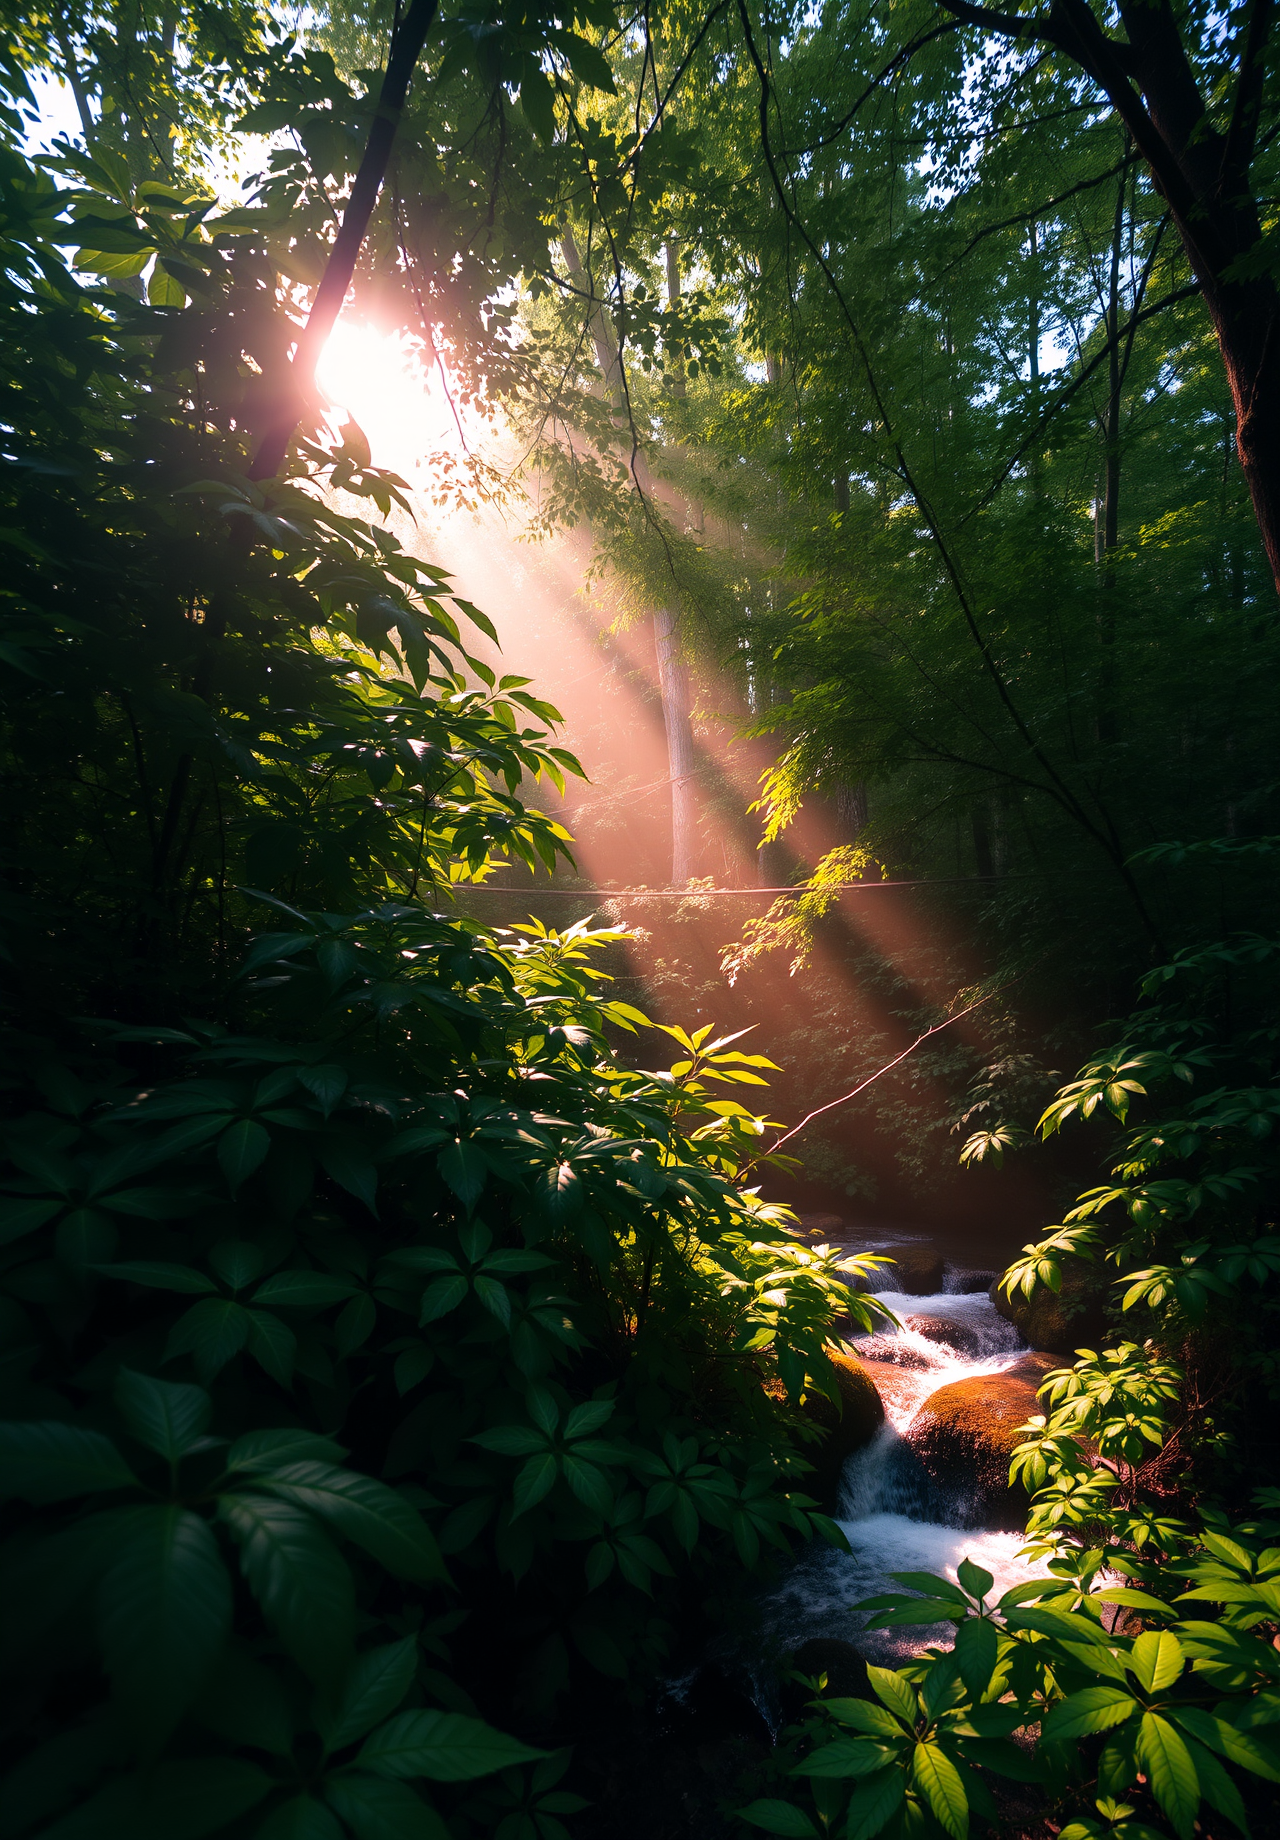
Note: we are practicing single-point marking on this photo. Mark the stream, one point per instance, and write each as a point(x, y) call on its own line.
point(893, 1515)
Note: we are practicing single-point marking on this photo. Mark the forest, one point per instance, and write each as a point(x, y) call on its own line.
point(638, 889)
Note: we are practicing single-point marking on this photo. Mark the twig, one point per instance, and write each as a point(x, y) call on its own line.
point(870, 1081)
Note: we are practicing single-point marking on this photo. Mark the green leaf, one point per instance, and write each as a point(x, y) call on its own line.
point(169, 1801)
point(1092, 1709)
point(1170, 1771)
point(590, 65)
point(929, 1585)
point(273, 1345)
point(1237, 1747)
point(375, 1808)
point(1217, 1787)
point(120, 265)
point(167, 1418)
point(1134, 1600)
point(939, 1782)
point(844, 1757)
point(874, 1803)
point(302, 1290)
point(977, 1647)
point(213, 1331)
point(164, 1610)
point(367, 1512)
point(299, 1578)
point(465, 1168)
point(777, 1817)
point(534, 1483)
point(894, 1692)
point(375, 1686)
point(302, 1818)
point(975, 1580)
point(1156, 1660)
point(241, 1149)
point(44, 1461)
point(23, 1217)
point(863, 1716)
point(161, 1277)
point(442, 1745)
point(917, 1612)
point(589, 1484)
point(163, 290)
point(274, 1449)
point(440, 1298)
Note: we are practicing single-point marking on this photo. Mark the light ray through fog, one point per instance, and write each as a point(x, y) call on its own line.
point(604, 679)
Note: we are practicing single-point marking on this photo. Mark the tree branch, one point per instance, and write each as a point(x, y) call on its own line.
point(407, 39)
point(1064, 395)
point(1242, 131)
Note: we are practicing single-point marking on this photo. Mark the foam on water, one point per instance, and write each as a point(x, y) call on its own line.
point(895, 1517)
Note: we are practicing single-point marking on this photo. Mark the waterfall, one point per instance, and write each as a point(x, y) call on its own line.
point(893, 1514)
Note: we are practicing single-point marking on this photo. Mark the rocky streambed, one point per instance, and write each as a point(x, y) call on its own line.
point(917, 1474)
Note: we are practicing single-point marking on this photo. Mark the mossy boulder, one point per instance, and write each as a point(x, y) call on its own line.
point(965, 1434)
point(850, 1429)
point(1059, 1321)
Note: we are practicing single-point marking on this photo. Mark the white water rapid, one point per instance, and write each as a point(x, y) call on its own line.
point(894, 1517)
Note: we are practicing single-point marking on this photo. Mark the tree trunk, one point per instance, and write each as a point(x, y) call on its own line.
point(673, 676)
point(1204, 173)
point(1246, 319)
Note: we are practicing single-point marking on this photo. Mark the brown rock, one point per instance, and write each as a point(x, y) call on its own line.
point(828, 1227)
point(953, 1331)
point(965, 1433)
point(1059, 1321)
point(860, 1417)
point(917, 1270)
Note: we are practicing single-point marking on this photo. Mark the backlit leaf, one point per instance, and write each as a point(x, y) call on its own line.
point(939, 1782)
point(1167, 1762)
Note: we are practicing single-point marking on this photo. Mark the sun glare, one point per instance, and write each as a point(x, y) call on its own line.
point(372, 377)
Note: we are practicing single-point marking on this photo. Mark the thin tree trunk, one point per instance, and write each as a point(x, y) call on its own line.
point(673, 676)
point(1205, 176)
point(1108, 530)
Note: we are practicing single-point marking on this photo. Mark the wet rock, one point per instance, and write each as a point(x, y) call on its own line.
point(967, 1281)
point(710, 1707)
point(852, 1428)
point(821, 1227)
point(964, 1435)
point(953, 1331)
point(916, 1270)
point(1059, 1321)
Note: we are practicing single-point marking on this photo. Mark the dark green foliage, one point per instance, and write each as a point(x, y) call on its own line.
point(363, 1315)
point(1167, 1725)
